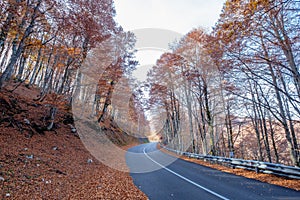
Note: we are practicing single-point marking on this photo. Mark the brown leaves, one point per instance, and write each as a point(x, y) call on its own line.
point(54, 166)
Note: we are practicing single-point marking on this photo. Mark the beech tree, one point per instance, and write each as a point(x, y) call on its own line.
point(163, 87)
point(239, 82)
point(259, 44)
point(46, 43)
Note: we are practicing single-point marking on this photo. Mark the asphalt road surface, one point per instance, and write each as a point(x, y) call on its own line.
point(161, 177)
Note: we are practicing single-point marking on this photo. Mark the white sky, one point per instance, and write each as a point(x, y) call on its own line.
point(179, 16)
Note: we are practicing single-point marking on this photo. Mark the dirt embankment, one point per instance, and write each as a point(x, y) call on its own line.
point(39, 164)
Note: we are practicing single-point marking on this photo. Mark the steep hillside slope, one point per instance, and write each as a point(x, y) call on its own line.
point(39, 164)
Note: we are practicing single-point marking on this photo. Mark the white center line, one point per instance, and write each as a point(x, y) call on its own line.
point(184, 178)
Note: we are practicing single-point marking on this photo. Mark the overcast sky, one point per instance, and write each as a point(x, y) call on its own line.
point(177, 16)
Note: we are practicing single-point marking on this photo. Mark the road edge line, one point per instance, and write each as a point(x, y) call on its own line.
point(184, 178)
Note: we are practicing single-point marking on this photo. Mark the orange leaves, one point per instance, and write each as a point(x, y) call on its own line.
point(73, 52)
point(33, 42)
point(198, 35)
point(232, 5)
point(170, 60)
point(253, 4)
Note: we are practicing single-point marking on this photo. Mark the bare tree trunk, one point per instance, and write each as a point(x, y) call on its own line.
point(293, 153)
point(209, 120)
point(7, 24)
point(273, 139)
point(262, 123)
point(5, 57)
point(21, 68)
point(254, 122)
point(293, 134)
point(189, 107)
point(283, 121)
point(229, 131)
point(53, 111)
point(18, 51)
point(279, 29)
point(107, 101)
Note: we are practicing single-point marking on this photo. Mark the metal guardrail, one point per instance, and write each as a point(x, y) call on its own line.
point(253, 165)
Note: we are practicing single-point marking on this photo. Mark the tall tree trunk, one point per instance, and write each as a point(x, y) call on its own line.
point(7, 24)
point(293, 133)
point(187, 93)
point(36, 68)
point(17, 53)
point(209, 120)
point(255, 124)
point(283, 121)
point(229, 131)
point(21, 68)
point(293, 153)
point(273, 139)
point(107, 101)
point(285, 44)
point(5, 57)
point(262, 124)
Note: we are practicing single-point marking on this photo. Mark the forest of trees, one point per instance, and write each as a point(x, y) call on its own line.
point(231, 92)
point(55, 44)
point(234, 91)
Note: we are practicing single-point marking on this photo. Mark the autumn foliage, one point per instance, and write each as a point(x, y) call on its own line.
point(234, 91)
point(56, 45)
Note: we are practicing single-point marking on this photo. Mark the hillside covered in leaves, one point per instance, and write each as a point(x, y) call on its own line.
point(37, 163)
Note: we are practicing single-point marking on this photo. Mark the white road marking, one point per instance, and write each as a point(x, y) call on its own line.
point(184, 178)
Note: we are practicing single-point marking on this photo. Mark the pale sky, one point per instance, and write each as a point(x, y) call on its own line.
point(176, 16)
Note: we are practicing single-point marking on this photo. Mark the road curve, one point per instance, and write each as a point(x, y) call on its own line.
point(161, 176)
